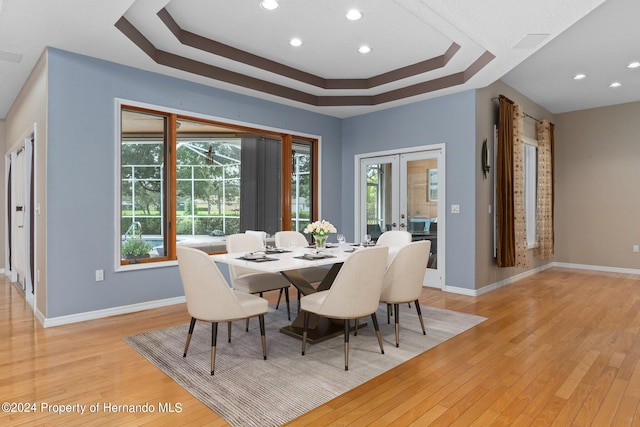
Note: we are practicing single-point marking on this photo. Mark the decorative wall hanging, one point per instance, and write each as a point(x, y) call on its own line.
point(485, 159)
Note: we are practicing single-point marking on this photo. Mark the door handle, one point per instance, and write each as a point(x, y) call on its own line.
point(394, 225)
point(402, 225)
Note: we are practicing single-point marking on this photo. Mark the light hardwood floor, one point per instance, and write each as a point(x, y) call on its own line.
point(559, 348)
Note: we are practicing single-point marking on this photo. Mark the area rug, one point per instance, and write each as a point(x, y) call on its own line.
point(249, 391)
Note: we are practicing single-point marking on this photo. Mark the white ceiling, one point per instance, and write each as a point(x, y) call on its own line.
point(401, 33)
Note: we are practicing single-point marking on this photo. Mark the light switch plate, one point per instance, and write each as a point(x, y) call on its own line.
point(455, 209)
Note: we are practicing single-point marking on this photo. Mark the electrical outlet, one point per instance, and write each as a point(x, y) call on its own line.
point(455, 209)
point(635, 248)
point(99, 275)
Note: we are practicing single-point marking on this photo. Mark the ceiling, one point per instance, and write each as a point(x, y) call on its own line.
point(420, 48)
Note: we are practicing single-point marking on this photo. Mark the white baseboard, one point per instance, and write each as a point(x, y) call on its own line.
point(597, 268)
point(513, 279)
point(460, 291)
point(98, 314)
point(494, 286)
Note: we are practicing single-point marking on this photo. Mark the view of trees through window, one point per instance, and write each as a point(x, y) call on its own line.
point(208, 186)
point(195, 182)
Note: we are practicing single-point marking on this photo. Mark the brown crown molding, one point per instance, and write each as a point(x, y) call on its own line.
point(205, 44)
point(210, 71)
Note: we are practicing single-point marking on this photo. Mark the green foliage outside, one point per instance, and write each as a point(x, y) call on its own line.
point(133, 245)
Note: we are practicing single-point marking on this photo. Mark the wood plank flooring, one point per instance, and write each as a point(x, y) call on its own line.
point(560, 348)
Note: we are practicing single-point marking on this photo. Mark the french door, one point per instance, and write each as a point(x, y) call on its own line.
point(405, 191)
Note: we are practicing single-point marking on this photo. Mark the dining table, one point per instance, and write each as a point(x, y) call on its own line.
point(289, 263)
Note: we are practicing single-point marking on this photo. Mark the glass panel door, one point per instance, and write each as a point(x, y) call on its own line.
point(405, 192)
point(379, 196)
point(419, 205)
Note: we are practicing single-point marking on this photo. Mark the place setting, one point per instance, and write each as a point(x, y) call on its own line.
point(257, 257)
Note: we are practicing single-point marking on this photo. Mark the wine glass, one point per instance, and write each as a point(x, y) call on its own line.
point(340, 238)
point(367, 239)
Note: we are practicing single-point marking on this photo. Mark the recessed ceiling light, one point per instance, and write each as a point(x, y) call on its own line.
point(615, 84)
point(269, 4)
point(579, 76)
point(295, 42)
point(364, 49)
point(354, 15)
point(635, 64)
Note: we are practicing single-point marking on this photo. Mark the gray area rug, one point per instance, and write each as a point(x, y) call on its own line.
point(249, 391)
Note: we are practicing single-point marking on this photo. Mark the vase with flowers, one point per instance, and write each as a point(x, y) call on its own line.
point(320, 230)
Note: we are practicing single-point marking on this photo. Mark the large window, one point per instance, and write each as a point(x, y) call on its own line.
point(530, 189)
point(301, 184)
point(192, 181)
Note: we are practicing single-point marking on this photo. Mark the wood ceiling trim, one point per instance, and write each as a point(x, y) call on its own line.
point(220, 49)
point(217, 73)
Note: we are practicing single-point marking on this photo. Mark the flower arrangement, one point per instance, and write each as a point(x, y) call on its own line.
point(320, 230)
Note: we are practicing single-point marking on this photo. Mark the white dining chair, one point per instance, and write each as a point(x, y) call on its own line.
point(403, 280)
point(252, 281)
point(210, 299)
point(355, 293)
point(261, 234)
point(394, 240)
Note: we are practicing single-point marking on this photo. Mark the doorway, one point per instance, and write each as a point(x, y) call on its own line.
point(405, 190)
point(19, 221)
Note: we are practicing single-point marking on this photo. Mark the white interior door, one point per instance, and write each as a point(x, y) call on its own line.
point(19, 246)
point(405, 191)
point(18, 260)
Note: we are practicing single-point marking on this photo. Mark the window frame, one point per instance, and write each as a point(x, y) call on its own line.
point(531, 200)
point(287, 138)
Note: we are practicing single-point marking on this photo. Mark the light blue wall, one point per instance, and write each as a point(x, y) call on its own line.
point(81, 173)
point(448, 120)
point(81, 170)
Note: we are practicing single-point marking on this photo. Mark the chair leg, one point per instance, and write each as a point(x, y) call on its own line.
point(299, 296)
point(374, 319)
point(356, 326)
point(214, 338)
point(346, 344)
point(186, 346)
point(424, 332)
point(279, 296)
point(247, 327)
point(229, 330)
point(396, 308)
point(263, 337)
point(305, 330)
point(286, 297)
point(388, 313)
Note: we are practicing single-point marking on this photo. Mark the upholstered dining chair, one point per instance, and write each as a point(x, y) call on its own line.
point(355, 293)
point(394, 240)
point(252, 281)
point(210, 299)
point(403, 279)
point(261, 234)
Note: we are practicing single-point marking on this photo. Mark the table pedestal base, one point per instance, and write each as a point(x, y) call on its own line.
point(320, 328)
